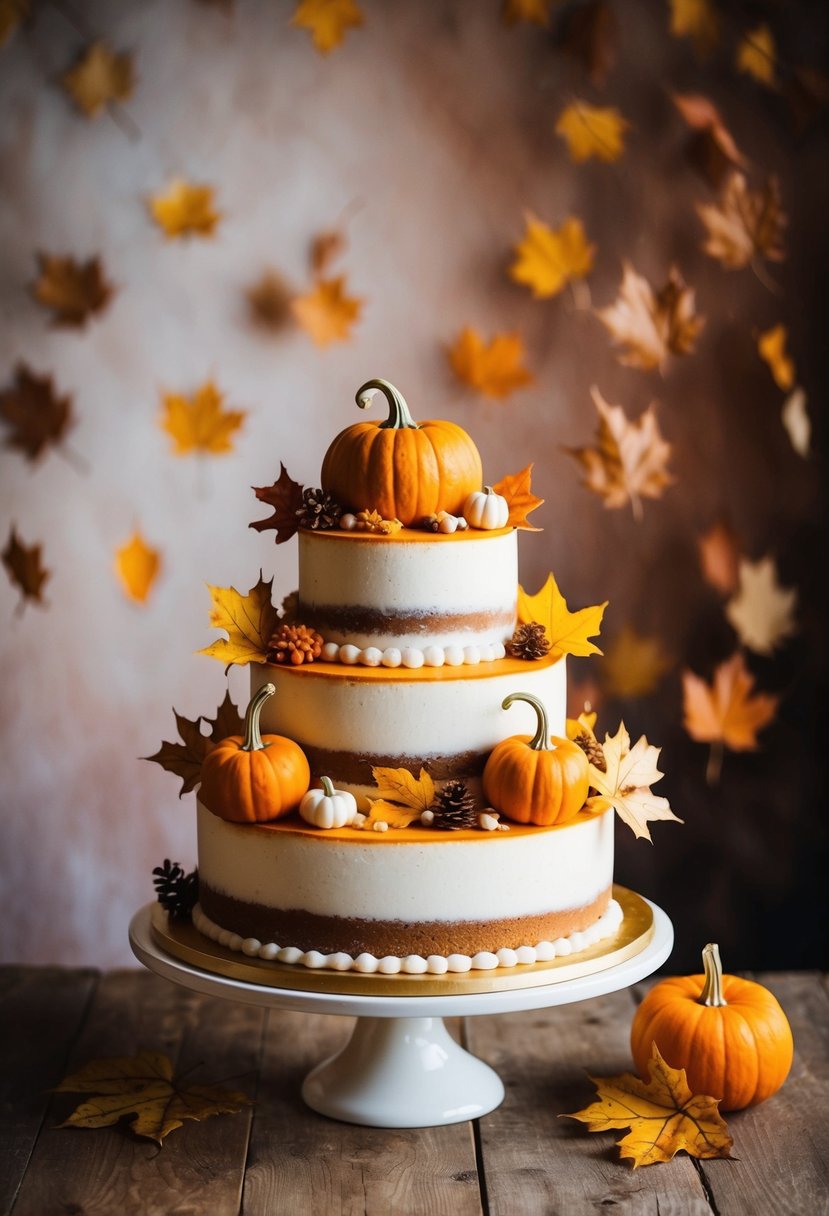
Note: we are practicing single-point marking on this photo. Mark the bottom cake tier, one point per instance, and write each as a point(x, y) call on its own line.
point(413, 900)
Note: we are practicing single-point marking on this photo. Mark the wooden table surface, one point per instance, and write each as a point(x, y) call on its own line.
point(279, 1157)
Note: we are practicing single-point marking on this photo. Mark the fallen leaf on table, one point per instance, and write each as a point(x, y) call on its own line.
point(185, 759)
point(624, 783)
point(629, 462)
point(567, 632)
point(73, 291)
point(12, 14)
point(592, 131)
point(327, 21)
point(144, 1086)
point(589, 33)
point(663, 1116)
point(651, 325)
point(186, 209)
point(36, 415)
point(744, 224)
point(398, 785)
point(719, 557)
point(25, 569)
point(772, 347)
point(200, 423)
point(326, 247)
point(327, 313)
point(548, 259)
point(517, 489)
point(757, 56)
point(796, 420)
point(762, 612)
point(714, 149)
point(697, 20)
point(634, 664)
point(137, 565)
point(536, 12)
point(725, 713)
point(99, 77)
point(285, 496)
point(269, 301)
point(249, 621)
point(494, 368)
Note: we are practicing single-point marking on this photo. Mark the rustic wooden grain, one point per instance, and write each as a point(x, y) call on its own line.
point(535, 1162)
point(302, 1162)
point(105, 1171)
point(41, 1011)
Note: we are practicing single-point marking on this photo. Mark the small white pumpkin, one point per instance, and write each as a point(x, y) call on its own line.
point(328, 808)
point(486, 510)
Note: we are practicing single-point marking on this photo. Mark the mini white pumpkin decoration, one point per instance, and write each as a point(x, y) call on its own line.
point(486, 510)
point(328, 808)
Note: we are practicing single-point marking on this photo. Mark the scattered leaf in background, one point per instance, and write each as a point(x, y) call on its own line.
point(12, 13)
point(74, 291)
point(725, 713)
point(536, 12)
point(143, 1085)
point(185, 210)
point(625, 782)
point(200, 423)
point(757, 56)
point(137, 565)
point(744, 223)
point(590, 34)
point(566, 631)
point(807, 93)
point(326, 248)
point(99, 77)
point(36, 415)
point(517, 489)
point(772, 347)
point(495, 368)
point(664, 1117)
point(761, 611)
point(327, 21)
point(269, 301)
point(592, 131)
point(401, 786)
point(548, 259)
point(796, 420)
point(583, 696)
point(634, 664)
point(651, 325)
point(712, 148)
point(24, 568)
point(697, 20)
point(629, 463)
point(327, 313)
point(719, 558)
point(184, 759)
point(285, 496)
point(249, 621)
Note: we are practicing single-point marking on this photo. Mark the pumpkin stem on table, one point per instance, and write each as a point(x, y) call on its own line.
point(253, 738)
point(712, 992)
point(540, 741)
point(327, 787)
point(399, 417)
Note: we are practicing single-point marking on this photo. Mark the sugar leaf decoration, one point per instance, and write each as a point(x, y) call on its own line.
point(285, 496)
point(184, 759)
point(249, 621)
point(567, 632)
point(516, 488)
point(625, 782)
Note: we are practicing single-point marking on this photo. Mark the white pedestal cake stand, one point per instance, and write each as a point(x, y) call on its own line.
point(401, 1067)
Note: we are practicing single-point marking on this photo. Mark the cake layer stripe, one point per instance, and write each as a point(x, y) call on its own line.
point(356, 770)
point(353, 619)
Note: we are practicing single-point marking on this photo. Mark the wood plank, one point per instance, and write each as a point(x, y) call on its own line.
point(200, 1167)
point(41, 1011)
point(537, 1163)
point(301, 1162)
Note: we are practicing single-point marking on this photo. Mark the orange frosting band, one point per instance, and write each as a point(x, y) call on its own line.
point(396, 675)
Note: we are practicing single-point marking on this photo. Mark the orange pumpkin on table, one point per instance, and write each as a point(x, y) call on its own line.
point(255, 778)
point(404, 469)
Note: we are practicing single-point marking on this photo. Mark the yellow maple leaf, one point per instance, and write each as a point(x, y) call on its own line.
point(725, 713)
point(143, 1085)
point(137, 565)
point(697, 20)
point(757, 56)
point(548, 259)
point(772, 347)
point(517, 489)
point(634, 664)
point(567, 632)
point(185, 210)
point(327, 313)
point(249, 621)
point(651, 325)
point(382, 811)
point(200, 423)
point(761, 611)
point(99, 77)
point(625, 780)
point(744, 223)
point(597, 131)
point(327, 21)
point(495, 368)
point(400, 786)
point(663, 1116)
point(12, 13)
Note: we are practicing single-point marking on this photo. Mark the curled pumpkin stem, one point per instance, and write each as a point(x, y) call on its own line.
point(540, 741)
point(399, 417)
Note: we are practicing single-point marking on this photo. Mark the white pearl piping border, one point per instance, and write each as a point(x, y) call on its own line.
point(413, 656)
point(414, 964)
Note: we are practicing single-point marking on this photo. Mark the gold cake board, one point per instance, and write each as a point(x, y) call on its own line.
point(181, 940)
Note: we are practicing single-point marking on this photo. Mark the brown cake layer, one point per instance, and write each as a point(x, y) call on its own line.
point(348, 619)
point(356, 769)
point(333, 934)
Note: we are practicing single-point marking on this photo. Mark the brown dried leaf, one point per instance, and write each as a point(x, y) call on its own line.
point(228, 721)
point(99, 77)
point(719, 557)
point(712, 148)
point(325, 249)
point(269, 300)
point(590, 33)
point(185, 759)
point(285, 496)
point(24, 568)
point(744, 224)
point(649, 325)
point(36, 416)
point(74, 291)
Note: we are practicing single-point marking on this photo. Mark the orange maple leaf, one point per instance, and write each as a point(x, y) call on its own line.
point(74, 291)
point(327, 313)
point(99, 77)
point(137, 565)
point(327, 21)
point(567, 632)
point(744, 224)
point(185, 209)
point(649, 324)
point(25, 569)
point(719, 557)
point(726, 713)
point(548, 259)
point(713, 147)
point(517, 489)
point(771, 345)
point(495, 368)
point(200, 423)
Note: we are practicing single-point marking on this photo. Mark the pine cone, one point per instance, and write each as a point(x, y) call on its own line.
point(176, 891)
point(528, 642)
point(455, 808)
point(318, 511)
point(295, 644)
point(592, 748)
